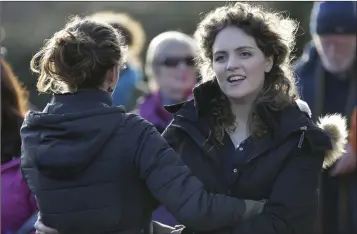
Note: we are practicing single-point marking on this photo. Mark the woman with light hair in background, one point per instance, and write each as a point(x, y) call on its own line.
point(134, 38)
point(171, 73)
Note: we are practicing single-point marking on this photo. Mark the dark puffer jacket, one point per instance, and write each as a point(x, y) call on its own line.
point(283, 166)
point(95, 169)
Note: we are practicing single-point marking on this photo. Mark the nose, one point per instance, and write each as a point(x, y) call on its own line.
point(182, 65)
point(233, 63)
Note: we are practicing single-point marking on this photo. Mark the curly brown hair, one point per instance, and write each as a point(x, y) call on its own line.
point(78, 56)
point(14, 104)
point(275, 36)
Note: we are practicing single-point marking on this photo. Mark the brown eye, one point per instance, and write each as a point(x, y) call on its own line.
point(219, 58)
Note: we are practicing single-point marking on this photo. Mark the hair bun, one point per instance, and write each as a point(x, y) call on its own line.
point(78, 56)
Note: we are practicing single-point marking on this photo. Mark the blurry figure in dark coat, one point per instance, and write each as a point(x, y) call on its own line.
point(328, 80)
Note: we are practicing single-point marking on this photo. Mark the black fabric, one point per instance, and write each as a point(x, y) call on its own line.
point(95, 170)
point(328, 94)
point(273, 168)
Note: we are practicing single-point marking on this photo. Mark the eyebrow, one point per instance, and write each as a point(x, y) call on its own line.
point(239, 48)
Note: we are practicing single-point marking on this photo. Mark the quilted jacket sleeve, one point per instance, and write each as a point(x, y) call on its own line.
point(171, 182)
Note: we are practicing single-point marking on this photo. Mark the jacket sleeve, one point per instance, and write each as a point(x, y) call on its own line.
point(171, 182)
point(293, 203)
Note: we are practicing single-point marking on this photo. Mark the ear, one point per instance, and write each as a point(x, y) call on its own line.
point(112, 75)
point(269, 64)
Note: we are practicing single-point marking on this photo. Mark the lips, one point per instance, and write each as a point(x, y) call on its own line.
point(235, 78)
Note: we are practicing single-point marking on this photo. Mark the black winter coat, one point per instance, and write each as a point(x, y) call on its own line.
point(95, 169)
point(283, 167)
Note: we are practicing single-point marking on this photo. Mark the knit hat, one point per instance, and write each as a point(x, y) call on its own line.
point(333, 18)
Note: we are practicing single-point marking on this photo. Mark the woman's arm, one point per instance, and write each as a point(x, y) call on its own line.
point(292, 205)
point(171, 183)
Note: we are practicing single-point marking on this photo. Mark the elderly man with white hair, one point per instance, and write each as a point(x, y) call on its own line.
point(327, 74)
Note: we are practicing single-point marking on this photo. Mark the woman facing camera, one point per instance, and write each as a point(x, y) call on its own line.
point(96, 169)
point(246, 133)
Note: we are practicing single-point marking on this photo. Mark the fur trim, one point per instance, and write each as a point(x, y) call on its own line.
point(335, 126)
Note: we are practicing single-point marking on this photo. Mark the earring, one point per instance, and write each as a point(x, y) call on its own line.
point(110, 89)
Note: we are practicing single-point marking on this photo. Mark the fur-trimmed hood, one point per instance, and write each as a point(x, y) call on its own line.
point(335, 126)
point(329, 134)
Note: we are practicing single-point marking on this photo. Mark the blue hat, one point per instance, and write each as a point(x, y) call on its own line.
point(333, 18)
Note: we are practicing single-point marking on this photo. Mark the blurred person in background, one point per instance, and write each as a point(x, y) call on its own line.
point(327, 73)
point(18, 205)
point(353, 131)
point(131, 76)
point(171, 72)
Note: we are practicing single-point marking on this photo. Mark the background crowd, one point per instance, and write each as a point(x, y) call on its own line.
point(160, 70)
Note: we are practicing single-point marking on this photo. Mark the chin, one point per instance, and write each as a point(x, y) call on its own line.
point(340, 68)
point(237, 95)
point(241, 95)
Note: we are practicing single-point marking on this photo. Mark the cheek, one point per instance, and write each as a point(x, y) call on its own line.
point(192, 75)
point(256, 70)
point(219, 71)
point(160, 79)
point(350, 50)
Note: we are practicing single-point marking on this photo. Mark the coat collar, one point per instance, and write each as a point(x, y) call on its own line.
point(328, 135)
point(280, 123)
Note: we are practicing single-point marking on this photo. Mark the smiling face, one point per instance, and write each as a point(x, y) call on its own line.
point(239, 65)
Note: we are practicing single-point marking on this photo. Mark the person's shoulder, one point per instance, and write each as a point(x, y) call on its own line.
point(133, 119)
point(184, 110)
point(324, 140)
point(175, 108)
point(135, 126)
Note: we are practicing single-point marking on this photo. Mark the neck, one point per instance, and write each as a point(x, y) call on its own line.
point(241, 109)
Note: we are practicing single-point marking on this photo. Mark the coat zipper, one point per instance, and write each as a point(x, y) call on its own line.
point(301, 140)
point(302, 136)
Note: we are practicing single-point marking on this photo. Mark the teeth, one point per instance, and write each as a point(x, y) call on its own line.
point(236, 78)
